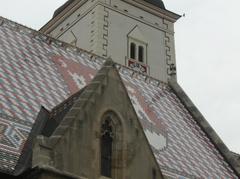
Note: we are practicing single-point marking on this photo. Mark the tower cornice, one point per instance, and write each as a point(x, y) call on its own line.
point(74, 5)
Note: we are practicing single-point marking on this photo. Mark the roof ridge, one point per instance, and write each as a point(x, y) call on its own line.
point(65, 103)
point(234, 153)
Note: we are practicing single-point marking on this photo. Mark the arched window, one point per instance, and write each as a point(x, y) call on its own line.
point(111, 146)
point(133, 50)
point(106, 147)
point(141, 54)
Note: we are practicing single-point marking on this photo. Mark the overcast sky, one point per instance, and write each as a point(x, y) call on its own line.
point(207, 49)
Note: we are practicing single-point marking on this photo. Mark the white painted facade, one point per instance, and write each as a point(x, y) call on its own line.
point(106, 28)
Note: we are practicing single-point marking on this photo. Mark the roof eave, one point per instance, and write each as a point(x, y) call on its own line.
point(69, 8)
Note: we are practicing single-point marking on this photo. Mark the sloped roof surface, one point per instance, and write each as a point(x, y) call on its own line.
point(31, 78)
point(188, 152)
point(39, 71)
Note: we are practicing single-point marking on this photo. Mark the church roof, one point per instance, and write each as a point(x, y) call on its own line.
point(38, 71)
point(158, 3)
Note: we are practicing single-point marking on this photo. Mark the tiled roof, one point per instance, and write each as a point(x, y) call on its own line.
point(188, 151)
point(37, 70)
point(31, 78)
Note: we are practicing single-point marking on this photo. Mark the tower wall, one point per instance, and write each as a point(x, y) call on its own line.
point(103, 27)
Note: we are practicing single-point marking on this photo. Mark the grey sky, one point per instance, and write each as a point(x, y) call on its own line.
point(207, 49)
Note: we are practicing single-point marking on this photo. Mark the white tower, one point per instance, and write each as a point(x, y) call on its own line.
point(135, 33)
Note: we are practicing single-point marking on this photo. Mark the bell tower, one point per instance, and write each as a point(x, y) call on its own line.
point(135, 33)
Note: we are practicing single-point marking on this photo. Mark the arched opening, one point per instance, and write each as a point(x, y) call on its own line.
point(111, 146)
point(133, 50)
point(141, 54)
point(106, 147)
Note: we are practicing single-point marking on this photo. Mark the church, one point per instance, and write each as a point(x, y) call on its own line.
point(94, 94)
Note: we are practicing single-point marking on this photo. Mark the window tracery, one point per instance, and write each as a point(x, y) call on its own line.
point(111, 146)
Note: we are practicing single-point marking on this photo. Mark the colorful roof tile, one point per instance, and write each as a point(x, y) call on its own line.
point(37, 70)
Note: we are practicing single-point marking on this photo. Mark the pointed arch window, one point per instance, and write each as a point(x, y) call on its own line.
point(111, 146)
point(106, 147)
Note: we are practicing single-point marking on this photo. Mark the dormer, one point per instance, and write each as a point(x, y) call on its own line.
point(138, 34)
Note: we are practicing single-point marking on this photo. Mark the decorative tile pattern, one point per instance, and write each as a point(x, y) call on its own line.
point(186, 150)
point(34, 73)
point(13, 134)
point(38, 71)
